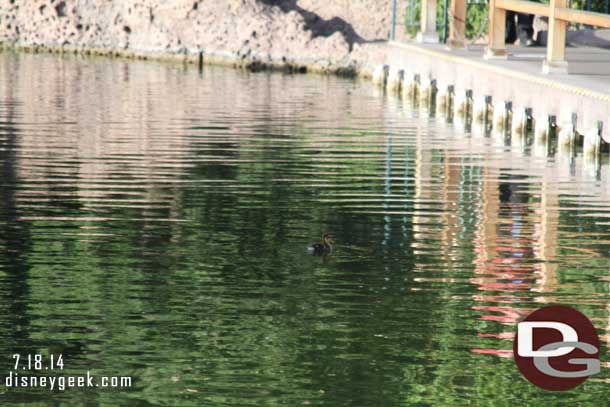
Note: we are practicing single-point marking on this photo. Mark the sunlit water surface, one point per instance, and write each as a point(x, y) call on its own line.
point(154, 222)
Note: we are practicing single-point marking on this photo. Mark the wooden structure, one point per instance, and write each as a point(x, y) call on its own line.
point(558, 13)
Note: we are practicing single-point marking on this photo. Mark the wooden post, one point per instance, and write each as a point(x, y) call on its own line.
point(457, 27)
point(427, 33)
point(555, 50)
point(496, 48)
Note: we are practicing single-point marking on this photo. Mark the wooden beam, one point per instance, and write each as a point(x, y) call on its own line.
point(583, 17)
point(457, 26)
point(523, 6)
point(556, 48)
point(561, 13)
point(496, 48)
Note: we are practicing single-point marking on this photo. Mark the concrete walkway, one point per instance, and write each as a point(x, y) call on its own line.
point(519, 79)
point(587, 67)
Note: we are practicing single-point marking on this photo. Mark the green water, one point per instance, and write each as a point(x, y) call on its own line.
point(154, 222)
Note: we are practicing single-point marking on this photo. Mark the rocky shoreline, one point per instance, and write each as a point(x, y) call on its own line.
point(296, 36)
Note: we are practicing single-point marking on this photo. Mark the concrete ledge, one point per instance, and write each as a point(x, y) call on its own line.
point(518, 79)
point(555, 67)
point(491, 53)
point(427, 38)
point(253, 62)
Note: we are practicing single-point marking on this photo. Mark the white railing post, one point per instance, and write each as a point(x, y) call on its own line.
point(427, 32)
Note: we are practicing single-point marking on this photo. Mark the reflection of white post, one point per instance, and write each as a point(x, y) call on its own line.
point(427, 33)
point(545, 244)
point(424, 192)
point(388, 191)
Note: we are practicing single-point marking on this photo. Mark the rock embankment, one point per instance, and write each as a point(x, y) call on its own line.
point(320, 34)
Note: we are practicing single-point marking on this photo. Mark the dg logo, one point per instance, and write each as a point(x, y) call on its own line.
point(556, 348)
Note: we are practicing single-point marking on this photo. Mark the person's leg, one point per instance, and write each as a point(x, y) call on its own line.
point(525, 28)
point(511, 31)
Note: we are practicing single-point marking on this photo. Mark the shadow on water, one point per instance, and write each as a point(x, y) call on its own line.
point(15, 241)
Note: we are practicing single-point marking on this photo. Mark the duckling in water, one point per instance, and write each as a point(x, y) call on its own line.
point(322, 248)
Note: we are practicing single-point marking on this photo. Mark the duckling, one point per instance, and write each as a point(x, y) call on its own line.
point(322, 248)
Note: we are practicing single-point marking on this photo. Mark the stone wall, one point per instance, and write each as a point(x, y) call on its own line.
point(371, 19)
point(308, 31)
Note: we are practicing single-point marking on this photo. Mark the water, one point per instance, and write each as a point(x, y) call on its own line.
point(155, 221)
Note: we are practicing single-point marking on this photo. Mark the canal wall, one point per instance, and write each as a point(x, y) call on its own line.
point(332, 36)
point(510, 98)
